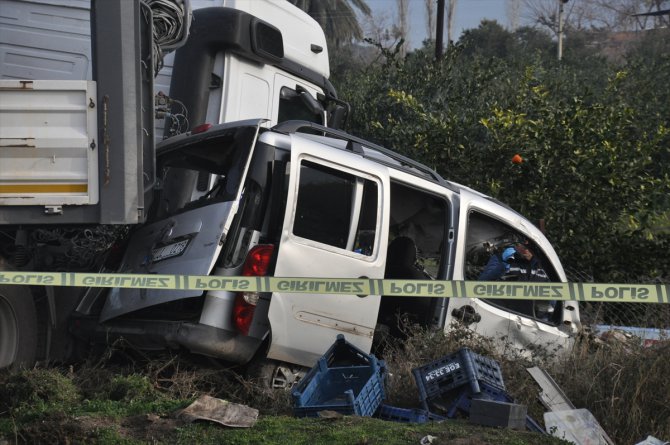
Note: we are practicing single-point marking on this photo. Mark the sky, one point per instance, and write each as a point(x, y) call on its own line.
point(469, 13)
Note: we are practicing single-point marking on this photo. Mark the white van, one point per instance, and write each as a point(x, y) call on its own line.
point(302, 200)
point(244, 197)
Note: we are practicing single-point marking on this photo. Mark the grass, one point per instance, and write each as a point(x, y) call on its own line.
point(61, 428)
point(127, 398)
point(624, 385)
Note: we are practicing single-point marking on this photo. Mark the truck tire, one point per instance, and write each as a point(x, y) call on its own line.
point(18, 327)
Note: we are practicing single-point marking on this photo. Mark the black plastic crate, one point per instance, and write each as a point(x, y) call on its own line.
point(464, 367)
point(463, 403)
point(345, 379)
point(406, 415)
point(464, 400)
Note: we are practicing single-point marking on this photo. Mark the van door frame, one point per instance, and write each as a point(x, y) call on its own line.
point(304, 325)
point(521, 331)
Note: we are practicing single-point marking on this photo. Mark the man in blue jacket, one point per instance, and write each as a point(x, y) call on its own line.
point(517, 262)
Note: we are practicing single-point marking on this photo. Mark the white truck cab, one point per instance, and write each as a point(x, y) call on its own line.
point(248, 59)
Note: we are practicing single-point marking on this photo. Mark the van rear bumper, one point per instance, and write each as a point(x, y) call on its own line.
point(161, 334)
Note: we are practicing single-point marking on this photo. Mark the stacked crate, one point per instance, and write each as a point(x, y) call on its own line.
point(454, 381)
point(345, 380)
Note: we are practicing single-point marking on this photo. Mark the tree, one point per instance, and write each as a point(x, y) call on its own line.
point(531, 40)
point(402, 26)
point(606, 15)
point(451, 15)
point(489, 39)
point(336, 17)
point(430, 19)
point(594, 139)
point(513, 13)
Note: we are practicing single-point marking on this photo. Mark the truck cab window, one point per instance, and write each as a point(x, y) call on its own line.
point(336, 208)
point(293, 107)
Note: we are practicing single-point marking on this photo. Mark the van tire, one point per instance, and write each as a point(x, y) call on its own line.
point(272, 374)
point(18, 327)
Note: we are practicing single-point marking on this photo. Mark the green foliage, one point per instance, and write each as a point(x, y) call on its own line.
point(594, 139)
point(337, 18)
point(131, 388)
point(35, 390)
point(590, 167)
point(358, 430)
point(490, 39)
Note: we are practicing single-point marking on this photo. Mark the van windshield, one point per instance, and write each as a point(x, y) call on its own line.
point(200, 169)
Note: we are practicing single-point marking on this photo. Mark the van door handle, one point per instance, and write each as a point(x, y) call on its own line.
point(466, 315)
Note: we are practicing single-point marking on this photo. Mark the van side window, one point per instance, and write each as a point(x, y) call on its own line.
point(488, 248)
point(336, 208)
point(423, 218)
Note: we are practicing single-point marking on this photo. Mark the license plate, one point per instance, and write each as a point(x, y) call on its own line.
point(169, 251)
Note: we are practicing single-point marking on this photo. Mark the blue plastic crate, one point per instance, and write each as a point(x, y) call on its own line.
point(406, 415)
point(464, 367)
point(345, 380)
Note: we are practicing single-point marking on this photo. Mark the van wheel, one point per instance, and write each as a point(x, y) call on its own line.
point(18, 327)
point(271, 374)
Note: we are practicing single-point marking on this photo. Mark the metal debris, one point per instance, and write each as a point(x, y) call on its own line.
point(219, 411)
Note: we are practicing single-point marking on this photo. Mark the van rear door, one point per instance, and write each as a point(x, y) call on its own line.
point(185, 236)
point(335, 225)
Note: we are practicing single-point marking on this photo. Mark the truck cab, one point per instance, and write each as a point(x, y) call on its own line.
point(247, 60)
point(302, 200)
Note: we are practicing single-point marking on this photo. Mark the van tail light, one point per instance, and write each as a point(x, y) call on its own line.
point(256, 265)
point(202, 128)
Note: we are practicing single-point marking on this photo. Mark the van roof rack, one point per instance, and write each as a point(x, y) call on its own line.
point(356, 144)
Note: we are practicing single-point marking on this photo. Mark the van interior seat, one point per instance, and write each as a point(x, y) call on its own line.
point(401, 261)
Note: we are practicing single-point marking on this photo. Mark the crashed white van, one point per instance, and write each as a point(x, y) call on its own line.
point(302, 200)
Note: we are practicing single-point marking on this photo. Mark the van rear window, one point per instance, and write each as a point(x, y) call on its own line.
point(204, 166)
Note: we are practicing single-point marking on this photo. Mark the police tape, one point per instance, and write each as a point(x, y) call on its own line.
point(625, 293)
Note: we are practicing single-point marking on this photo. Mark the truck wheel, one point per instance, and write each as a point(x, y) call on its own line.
point(271, 374)
point(18, 327)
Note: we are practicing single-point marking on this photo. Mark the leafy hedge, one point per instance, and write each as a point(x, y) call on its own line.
point(594, 140)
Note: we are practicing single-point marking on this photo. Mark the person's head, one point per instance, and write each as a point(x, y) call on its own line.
point(523, 251)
